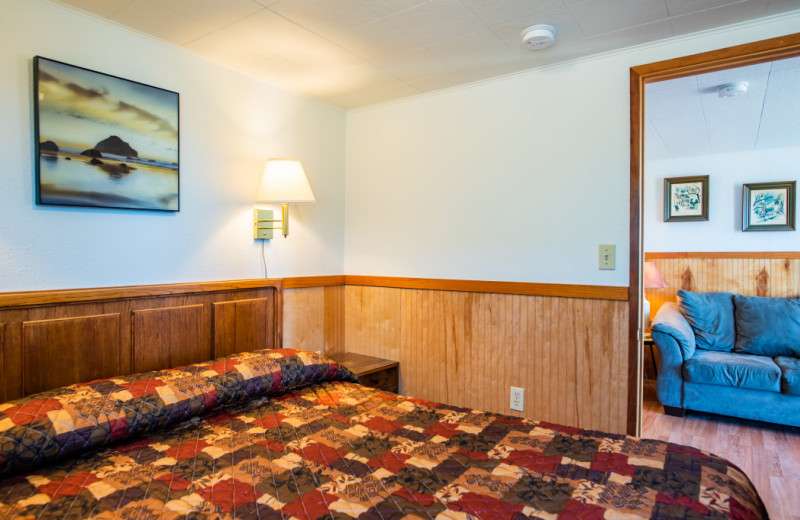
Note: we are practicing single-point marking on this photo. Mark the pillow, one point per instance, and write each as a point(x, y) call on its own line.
point(767, 326)
point(44, 427)
point(711, 318)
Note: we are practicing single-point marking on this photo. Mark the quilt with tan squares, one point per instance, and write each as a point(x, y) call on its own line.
point(287, 434)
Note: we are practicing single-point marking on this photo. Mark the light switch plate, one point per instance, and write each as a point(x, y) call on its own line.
point(606, 256)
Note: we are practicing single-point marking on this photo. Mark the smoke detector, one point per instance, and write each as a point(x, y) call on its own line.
point(537, 37)
point(732, 89)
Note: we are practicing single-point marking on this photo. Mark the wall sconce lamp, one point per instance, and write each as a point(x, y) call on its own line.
point(284, 181)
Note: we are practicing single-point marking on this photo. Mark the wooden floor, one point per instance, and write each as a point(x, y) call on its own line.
point(767, 453)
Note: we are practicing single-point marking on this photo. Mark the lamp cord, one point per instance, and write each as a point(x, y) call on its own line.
point(264, 259)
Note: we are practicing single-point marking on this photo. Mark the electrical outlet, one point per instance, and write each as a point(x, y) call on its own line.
point(606, 254)
point(517, 399)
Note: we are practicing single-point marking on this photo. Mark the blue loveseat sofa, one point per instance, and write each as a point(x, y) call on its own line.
point(731, 355)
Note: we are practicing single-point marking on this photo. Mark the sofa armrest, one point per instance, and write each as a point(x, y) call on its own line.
point(675, 341)
point(669, 321)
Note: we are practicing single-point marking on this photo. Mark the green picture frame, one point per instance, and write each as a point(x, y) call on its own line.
point(686, 198)
point(768, 206)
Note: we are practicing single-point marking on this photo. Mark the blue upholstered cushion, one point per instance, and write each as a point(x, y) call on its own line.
point(767, 326)
point(790, 374)
point(671, 322)
point(732, 369)
point(711, 318)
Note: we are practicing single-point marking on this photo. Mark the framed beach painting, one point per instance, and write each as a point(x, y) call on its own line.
point(686, 198)
point(104, 141)
point(768, 206)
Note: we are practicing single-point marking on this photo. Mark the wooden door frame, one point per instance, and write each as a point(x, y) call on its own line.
point(738, 56)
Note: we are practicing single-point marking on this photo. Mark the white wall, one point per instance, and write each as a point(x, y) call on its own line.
point(723, 229)
point(515, 179)
point(229, 125)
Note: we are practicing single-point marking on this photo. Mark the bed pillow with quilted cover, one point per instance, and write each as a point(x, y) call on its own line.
point(46, 426)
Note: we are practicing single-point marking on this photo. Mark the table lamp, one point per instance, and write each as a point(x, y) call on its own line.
point(652, 280)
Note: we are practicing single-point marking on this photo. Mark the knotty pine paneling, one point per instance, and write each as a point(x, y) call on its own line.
point(314, 318)
point(50, 348)
point(240, 326)
point(569, 354)
point(754, 276)
point(168, 337)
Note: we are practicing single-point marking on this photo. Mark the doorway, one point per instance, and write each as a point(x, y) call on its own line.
point(748, 54)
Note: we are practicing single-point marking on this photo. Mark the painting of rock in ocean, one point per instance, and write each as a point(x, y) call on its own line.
point(104, 141)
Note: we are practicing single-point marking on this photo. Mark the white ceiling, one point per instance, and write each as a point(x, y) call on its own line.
point(685, 117)
point(352, 53)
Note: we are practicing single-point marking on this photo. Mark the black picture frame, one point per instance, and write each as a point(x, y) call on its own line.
point(103, 141)
point(768, 206)
point(686, 198)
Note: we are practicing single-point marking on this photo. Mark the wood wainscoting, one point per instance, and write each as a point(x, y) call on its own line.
point(750, 274)
point(467, 342)
point(460, 342)
point(55, 338)
point(467, 349)
point(314, 318)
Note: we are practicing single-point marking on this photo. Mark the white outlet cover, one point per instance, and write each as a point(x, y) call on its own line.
point(517, 401)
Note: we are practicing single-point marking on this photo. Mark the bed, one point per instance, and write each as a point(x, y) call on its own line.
point(290, 434)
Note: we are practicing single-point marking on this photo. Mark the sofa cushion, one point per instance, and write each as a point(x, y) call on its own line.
point(790, 374)
point(732, 369)
point(670, 321)
point(711, 318)
point(767, 326)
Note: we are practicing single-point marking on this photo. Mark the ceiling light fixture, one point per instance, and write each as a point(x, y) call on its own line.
point(538, 37)
point(737, 88)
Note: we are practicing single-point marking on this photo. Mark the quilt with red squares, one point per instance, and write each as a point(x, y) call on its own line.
point(288, 435)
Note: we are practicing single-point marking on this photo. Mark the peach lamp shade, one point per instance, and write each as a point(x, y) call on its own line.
point(652, 280)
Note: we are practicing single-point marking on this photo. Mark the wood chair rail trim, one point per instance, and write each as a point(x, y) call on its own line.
point(304, 282)
point(56, 297)
point(594, 292)
point(61, 296)
point(756, 255)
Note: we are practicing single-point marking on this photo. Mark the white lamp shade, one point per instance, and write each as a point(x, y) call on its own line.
point(284, 180)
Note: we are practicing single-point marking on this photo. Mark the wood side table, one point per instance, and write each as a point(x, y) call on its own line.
point(371, 371)
point(648, 342)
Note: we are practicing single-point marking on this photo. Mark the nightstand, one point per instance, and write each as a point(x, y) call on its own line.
point(370, 371)
point(648, 342)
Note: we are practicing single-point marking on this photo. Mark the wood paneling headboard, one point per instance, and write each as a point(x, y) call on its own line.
point(751, 274)
point(55, 338)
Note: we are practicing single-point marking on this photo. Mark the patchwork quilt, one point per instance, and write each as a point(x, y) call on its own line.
point(287, 434)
